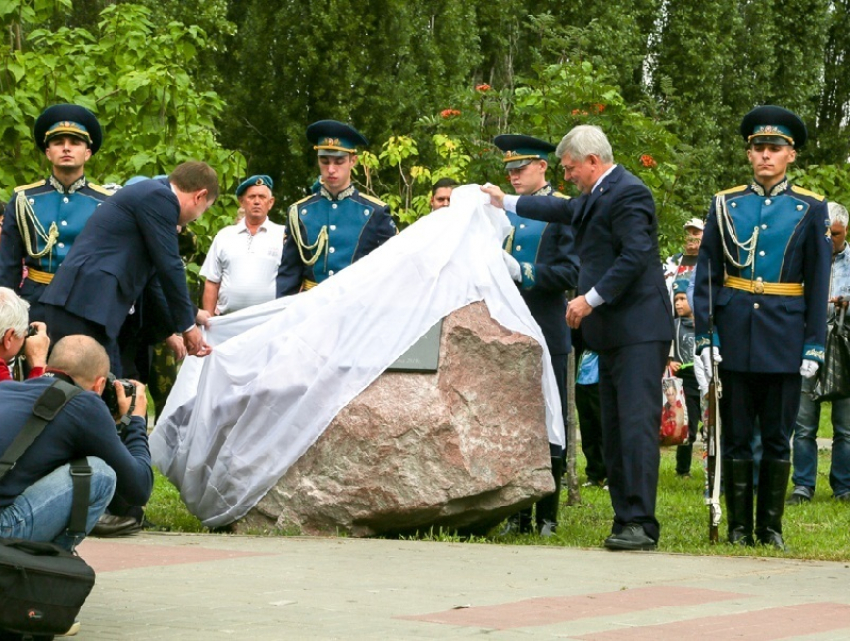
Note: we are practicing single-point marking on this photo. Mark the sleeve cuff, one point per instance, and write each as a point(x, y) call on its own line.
point(593, 298)
point(529, 275)
point(702, 341)
point(509, 202)
point(815, 353)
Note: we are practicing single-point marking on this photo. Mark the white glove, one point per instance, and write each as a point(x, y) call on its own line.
point(808, 369)
point(706, 356)
point(513, 267)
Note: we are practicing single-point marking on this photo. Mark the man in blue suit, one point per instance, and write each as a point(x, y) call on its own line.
point(767, 250)
point(544, 265)
point(337, 224)
point(129, 243)
point(624, 313)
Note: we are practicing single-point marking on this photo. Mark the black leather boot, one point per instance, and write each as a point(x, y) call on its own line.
point(547, 507)
point(738, 479)
point(773, 481)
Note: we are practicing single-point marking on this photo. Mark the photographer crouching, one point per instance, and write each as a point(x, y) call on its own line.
point(36, 493)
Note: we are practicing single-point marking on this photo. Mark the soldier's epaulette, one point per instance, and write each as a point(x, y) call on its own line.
point(40, 183)
point(100, 189)
point(303, 200)
point(733, 190)
point(558, 194)
point(806, 192)
point(377, 201)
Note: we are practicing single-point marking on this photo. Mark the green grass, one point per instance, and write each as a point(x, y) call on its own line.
point(816, 530)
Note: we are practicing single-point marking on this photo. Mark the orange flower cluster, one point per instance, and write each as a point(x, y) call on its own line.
point(648, 161)
point(448, 113)
point(598, 108)
point(579, 112)
point(482, 88)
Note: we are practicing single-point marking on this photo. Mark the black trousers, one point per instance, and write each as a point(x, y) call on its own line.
point(769, 400)
point(630, 395)
point(61, 323)
point(590, 426)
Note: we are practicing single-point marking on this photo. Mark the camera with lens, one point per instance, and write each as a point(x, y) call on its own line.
point(31, 330)
point(110, 395)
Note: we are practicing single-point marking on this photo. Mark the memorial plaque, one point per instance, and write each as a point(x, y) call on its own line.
point(423, 355)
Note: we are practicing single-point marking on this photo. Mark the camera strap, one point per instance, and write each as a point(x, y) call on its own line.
point(46, 408)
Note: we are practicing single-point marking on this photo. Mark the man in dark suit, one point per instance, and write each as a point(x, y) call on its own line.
point(544, 264)
point(625, 315)
point(768, 253)
point(130, 242)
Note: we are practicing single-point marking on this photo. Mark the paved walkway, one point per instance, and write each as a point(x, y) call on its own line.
point(186, 587)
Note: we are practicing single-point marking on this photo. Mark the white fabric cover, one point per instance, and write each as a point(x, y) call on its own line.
point(280, 372)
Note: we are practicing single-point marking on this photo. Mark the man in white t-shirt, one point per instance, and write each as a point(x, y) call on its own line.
point(241, 266)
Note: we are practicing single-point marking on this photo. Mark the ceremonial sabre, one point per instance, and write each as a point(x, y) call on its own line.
point(715, 391)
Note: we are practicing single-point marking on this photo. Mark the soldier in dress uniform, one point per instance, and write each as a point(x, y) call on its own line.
point(546, 266)
point(767, 248)
point(42, 219)
point(337, 224)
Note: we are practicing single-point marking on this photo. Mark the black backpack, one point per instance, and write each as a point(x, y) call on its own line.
point(43, 586)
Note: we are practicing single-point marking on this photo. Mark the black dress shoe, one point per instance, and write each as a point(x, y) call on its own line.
point(632, 537)
point(109, 526)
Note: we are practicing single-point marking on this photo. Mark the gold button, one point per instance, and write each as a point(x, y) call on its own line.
point(758, 288)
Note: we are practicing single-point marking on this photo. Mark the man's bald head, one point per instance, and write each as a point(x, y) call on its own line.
point(82, 358)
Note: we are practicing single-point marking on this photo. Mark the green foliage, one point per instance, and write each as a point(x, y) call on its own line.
point(829, 180)
point(136, 76)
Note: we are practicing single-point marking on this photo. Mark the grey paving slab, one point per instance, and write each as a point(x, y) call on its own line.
point(163, 586)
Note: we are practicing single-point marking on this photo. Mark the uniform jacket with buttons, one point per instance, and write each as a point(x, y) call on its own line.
point(69, 208)
point(355, 224)
point(766, 332)
point(549, 267)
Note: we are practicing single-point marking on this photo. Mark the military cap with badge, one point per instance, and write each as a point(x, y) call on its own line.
point(520, 150)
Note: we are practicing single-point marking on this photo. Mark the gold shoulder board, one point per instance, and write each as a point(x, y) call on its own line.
point(806, 192)
point(100, 189)
point(733, 190)
point(30, 186)
point(377, 201)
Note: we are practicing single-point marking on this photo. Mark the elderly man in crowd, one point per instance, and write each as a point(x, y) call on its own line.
point(241, 266)
point(14, 327)
point(805, 450)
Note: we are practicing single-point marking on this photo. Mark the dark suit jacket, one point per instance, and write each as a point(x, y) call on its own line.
point(616, 234)
point(130, 239)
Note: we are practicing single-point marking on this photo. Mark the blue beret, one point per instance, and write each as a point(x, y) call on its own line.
point(68, 120)
point(680, 286)
point(521, 150)
point(254, 181)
